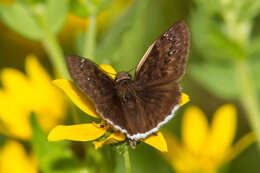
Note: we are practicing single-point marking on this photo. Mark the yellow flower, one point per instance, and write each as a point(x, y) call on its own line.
point(20, 95)
point(93, 131)
point(14, 159)
point(204, 148)
point(75, 24)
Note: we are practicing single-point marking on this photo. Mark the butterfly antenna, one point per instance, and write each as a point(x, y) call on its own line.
point(131, 69)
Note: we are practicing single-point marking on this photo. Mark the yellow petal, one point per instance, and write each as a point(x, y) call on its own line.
point(113, 138)
point(240, 145)
point(157, 141)
point(77, 96)
point(49, 102)
point(80, 132)
point(14, 159)
point(14, 117)
point(179, 157)
point(174, 147)
point(223, 130)
point(184, 99)
point(194, 129)
point(25, 94)
point(16, 84)
point(35, 71)
point(109, 70)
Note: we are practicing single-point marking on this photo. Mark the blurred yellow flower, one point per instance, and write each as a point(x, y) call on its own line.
point(93, 131)
point(75, 24)
point(14, 159)
point(204, 148)
point(20, 95)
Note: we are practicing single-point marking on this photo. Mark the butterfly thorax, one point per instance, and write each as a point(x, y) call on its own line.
point(123, 85)
point(120, 76)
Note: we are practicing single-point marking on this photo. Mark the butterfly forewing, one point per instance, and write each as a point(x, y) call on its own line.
point(93, 81)
point(167, 56)
point(99, 87)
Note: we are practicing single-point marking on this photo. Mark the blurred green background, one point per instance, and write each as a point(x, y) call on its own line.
point(223, 65)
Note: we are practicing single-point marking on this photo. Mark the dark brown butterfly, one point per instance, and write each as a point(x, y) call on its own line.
point(138, 107)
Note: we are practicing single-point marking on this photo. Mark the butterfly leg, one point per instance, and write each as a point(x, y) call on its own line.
point(132, 143)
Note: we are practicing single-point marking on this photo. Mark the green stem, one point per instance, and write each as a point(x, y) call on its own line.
point(53, 49)
point(127, 161)
point(248, 95)
point(90, 38)
point(239, 31)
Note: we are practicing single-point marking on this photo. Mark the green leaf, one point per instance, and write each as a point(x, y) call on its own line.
point(1, 7)
point(211, 39)
point(56, 13)
point(49, 154)
point(87, 8)
point(133, 42)
point(79, 43)
point(218, 78)
point(255, 72)
point(115, 35)
point(249, 9)
point(79, 9)
point(101, 5)
point(221, 78)
point(254, 47)
point(19, 18)
point(209, 6)
point(244, 9)
point(67, 164)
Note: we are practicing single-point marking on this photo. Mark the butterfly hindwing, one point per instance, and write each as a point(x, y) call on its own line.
point(149, 110)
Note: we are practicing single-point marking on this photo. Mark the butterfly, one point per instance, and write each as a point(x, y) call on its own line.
point(138, 106)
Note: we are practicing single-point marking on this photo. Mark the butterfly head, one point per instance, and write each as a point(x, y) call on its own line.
point(123, 85)
point(121, 76)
